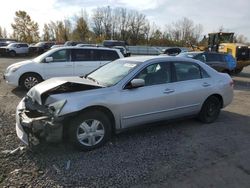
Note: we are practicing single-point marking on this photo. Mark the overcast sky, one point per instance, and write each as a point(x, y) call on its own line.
point(232, 15)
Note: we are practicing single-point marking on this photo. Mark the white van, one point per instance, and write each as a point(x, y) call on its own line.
point(59, 62)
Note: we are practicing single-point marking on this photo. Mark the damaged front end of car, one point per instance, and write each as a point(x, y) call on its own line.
point(38, 114)
point(36, 122)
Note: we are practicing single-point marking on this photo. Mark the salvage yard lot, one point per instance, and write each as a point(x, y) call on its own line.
point(183, 153)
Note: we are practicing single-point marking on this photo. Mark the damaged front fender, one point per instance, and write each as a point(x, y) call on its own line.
point(30, 127)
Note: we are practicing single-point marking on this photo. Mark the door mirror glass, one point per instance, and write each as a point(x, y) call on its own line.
point(48, 59)
point(137, 82)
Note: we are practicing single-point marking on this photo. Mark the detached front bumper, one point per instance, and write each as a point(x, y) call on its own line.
point(29, 128)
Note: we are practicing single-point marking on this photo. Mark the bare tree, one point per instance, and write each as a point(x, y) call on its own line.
point(147, 31)
point(137, 23)
point(123, 23)
point(184, 31)
point(4, 33)
point(24, 28)
point(98, 22)
point(107, 22)
point(1, 32)
point(241, 39)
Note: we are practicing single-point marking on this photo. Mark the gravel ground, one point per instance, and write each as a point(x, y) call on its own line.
point(183, 153)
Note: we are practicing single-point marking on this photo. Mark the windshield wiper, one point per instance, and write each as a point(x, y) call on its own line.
point(94, 80)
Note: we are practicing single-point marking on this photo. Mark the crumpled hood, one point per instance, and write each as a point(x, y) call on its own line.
point(60, 85)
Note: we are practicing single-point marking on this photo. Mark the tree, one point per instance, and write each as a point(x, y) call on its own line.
point(81, 31)
point(98, 22)
point(46, 33)
point(24, 28)
point(4, 33)
point(241, 39)
point(184, 31)
point(1, 32)
point(137, 23)
point(60, 30)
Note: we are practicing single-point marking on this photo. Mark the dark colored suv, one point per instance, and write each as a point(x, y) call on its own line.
point(219, 61)
point(40, 47)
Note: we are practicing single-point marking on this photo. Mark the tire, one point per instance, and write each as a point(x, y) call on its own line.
point(12, 53)
point(29, 80)
point(210, 110)
point(89, 130)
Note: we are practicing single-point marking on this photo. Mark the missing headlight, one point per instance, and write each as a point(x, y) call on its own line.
point(56, 107)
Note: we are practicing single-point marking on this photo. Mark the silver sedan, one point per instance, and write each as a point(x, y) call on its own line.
point(124, 93)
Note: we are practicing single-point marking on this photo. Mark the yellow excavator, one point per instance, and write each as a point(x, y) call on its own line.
point(224, 42)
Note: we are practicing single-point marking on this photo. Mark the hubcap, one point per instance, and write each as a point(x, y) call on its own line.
point(30, 81)
point(90, 132)
point(211, 109)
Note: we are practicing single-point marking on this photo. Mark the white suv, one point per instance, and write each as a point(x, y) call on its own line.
point(59, 62)
point(14, 49)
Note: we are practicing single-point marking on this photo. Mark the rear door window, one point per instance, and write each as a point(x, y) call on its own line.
point(82, 55)
point(187, 71)
point(108, 55)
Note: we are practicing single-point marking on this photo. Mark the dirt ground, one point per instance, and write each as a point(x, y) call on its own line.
point(183, 153)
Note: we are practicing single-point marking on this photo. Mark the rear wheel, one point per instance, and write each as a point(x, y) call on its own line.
point(90, 130)
point(29, 80)
point(210, 110)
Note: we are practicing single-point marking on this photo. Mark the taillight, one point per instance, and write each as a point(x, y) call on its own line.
point(231, 83)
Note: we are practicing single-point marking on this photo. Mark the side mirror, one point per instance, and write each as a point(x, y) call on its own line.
point(48, 59)
point(135, 83)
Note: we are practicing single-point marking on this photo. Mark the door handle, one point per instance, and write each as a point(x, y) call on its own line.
point(205, 84)
point(68, 65)
point(168, 91)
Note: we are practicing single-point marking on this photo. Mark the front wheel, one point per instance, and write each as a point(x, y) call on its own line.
point(210, 110)
point(29, 80)
point(12, 53)
point(90, 130)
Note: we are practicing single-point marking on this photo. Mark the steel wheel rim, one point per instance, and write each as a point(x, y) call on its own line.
point(212, 109)
point(90, 132)
point(30, 81)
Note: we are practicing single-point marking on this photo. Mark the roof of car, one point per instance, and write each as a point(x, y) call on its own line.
point(86, 47)
point(207, 52)
point(152, 58)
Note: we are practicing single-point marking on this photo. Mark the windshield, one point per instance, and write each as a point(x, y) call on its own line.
point(39, 44)
point(226, 38)
point(113, 72)
point(12, 45)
